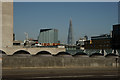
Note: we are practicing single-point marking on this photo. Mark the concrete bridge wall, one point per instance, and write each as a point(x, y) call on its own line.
point(49, 61)
point(32, 51)
point(55, 50)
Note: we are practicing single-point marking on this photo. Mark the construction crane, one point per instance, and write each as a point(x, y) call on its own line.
point(26, 34)
point(26, 42)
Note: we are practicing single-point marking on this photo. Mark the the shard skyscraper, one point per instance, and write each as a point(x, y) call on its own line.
point(70, 34)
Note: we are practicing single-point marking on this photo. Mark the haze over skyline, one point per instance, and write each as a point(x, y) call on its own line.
point(88, 18)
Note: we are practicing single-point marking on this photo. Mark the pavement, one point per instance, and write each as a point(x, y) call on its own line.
point(106, 73)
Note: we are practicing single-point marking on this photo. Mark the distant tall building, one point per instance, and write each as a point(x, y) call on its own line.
point(116, 32)
point(119, 12)
point(70, 34)
point(48, 36)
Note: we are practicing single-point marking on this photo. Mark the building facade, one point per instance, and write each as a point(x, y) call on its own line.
point(48, 36)
point(99, 42)
point(116, 37)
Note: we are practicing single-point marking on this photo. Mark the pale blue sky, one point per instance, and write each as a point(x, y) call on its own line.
point(88, 18)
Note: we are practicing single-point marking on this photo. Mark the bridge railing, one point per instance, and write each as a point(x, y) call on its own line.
point(90, 52)
point(40, 46)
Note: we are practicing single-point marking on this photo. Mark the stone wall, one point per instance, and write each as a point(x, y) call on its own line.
point(49, 61)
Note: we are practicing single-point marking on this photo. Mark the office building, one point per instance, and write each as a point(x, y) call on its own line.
point(99, 42)
point(116, 37)
point(48, 36)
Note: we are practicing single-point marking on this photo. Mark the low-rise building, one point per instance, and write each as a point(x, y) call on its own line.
point(99, 42)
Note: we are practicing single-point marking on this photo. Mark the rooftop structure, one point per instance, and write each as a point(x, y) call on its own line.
point(104, 36)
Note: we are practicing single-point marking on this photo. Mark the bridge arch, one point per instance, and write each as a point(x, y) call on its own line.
point(80, 54)
point(62, 53)
point(3, 52)
point(43, 53)
point(96, 55)
point(111, 55)
point(21, 52)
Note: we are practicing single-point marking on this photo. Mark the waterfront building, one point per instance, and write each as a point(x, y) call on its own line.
point(99, 42)
point(48, 36)
point(70, 34)
point(116, 37)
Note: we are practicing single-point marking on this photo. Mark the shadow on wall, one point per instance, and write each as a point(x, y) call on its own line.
point(96, 55)
point(2, 52)
point(21, 53)
point(43, 53)
point(63, 54)
point(79, 54)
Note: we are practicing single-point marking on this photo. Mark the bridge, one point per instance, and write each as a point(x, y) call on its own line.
point(57, 50)
point(32, 51)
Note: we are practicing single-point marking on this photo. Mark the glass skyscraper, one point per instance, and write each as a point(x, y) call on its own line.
point(70, 34)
